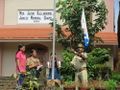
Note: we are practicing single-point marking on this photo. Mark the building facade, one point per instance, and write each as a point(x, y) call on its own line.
point(19, 24)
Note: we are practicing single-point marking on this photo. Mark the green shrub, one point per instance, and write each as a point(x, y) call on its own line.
point(96, 63)
point(116, 76)
point(110, 85)
point(67, 69)
point(99, 56)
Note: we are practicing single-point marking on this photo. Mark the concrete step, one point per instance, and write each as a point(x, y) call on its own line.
point(7, 83)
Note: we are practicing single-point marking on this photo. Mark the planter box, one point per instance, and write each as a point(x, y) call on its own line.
point(98, 85)
point(73, 88)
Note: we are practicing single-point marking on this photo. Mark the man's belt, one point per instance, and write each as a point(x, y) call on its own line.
point(81, 69)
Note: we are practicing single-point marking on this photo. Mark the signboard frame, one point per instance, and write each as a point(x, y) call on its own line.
point(35, 16)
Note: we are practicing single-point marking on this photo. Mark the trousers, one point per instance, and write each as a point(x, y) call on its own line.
point(81, 79)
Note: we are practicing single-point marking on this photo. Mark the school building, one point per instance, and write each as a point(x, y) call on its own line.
point(27, 22)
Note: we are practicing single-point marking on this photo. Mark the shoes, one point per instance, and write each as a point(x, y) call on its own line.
point(18, 87)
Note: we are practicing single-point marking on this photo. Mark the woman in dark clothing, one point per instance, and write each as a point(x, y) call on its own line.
point(56, 68)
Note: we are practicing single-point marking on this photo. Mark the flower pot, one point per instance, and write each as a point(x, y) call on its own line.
point(69, 88)
point(83, 89)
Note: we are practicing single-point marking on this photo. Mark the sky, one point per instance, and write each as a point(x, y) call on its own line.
point(116, 11)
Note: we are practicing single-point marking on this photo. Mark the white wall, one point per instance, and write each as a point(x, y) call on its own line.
point(8, 61)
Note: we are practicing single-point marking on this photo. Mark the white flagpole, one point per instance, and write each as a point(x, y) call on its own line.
point(54, 26)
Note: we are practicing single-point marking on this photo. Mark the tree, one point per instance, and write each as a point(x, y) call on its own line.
point(71, 10)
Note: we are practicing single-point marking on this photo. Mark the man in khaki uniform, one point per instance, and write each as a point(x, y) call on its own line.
point(79, 63)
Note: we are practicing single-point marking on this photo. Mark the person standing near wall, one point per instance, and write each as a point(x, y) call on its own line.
point(80, 63)
point(33, 63)
point(36, 68)
point(20, 64)
point(57, 66)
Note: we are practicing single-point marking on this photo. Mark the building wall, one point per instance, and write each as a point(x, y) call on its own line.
point(9, 50)
point(12, 6)
point(8, 10)
point(1, 55)
point(109, 27)
point(8, 63)
point(1, 12)
point(110, 17)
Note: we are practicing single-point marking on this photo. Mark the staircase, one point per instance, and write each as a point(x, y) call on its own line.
point(7, 83)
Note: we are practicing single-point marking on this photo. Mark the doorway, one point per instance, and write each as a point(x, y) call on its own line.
point(42, 51)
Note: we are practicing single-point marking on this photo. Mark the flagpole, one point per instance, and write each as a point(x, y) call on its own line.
point(54, 26)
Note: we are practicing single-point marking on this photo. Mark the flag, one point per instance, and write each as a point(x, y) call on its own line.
point(84, 27)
